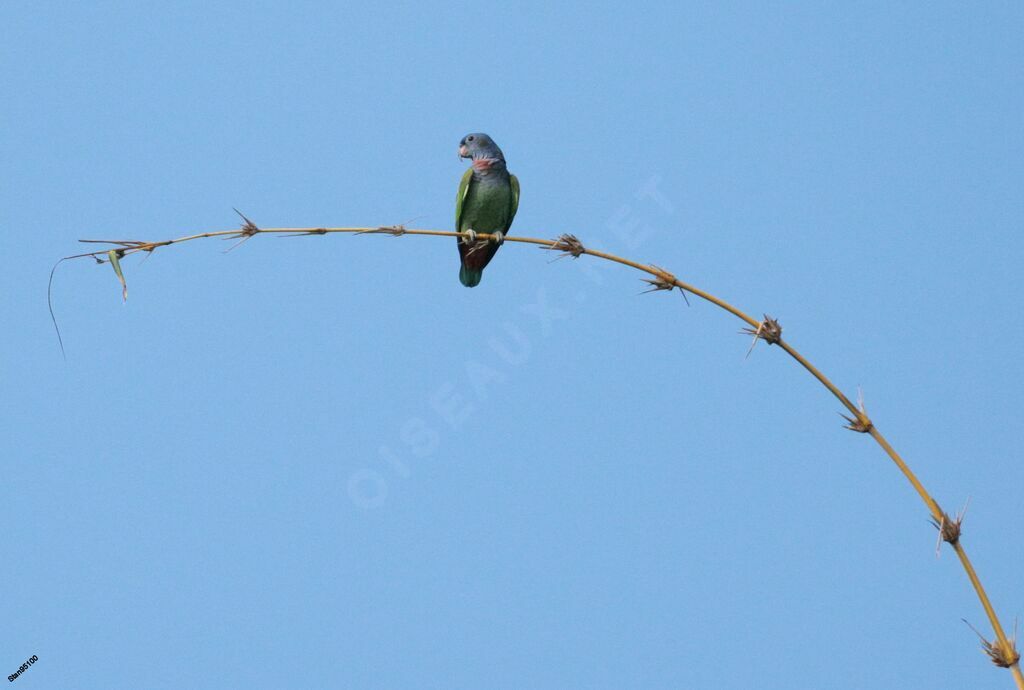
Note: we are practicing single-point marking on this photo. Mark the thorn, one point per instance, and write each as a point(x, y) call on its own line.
point(1003, 656)
point(248, 226)
point(768, 330)
point(123, 243)
point(757, 334)
point(237, 244)
point(949, 528)
point(317, 231)
point(569, 245)
point(938, 538)
point(856, 424)
point(248, 230)
point(663, 280)
point(393, 230)
point(861, 424)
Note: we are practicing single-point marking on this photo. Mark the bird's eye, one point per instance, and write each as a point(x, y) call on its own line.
point(470, 138)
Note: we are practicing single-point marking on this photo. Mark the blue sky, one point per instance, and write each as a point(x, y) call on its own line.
point(323, 463)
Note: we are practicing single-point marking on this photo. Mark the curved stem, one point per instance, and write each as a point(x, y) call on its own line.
point(859, 422)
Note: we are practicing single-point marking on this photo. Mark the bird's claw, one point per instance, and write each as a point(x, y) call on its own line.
point(471, 237)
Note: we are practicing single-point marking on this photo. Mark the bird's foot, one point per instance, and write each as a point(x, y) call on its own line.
point(469, 236)
point(498, 237)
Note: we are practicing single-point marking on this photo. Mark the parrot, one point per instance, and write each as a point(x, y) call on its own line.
point(487, 202)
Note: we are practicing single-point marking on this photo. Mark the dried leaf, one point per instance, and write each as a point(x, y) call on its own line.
point(115, 260)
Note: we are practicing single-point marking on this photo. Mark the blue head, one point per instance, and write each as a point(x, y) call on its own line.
point(480, 147)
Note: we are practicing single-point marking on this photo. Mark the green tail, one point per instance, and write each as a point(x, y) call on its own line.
point(470, 277)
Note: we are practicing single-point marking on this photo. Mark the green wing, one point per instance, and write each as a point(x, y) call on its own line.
point(515, 201)
point(467, 177)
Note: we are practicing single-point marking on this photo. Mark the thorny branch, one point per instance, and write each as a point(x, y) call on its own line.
point(1002, 650)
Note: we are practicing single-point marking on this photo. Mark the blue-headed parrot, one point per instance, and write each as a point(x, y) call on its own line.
point(487, 202)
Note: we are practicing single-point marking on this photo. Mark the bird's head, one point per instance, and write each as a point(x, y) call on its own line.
point(482, 149)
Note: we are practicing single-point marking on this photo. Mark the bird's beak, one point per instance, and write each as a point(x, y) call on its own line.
point(463, 152)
